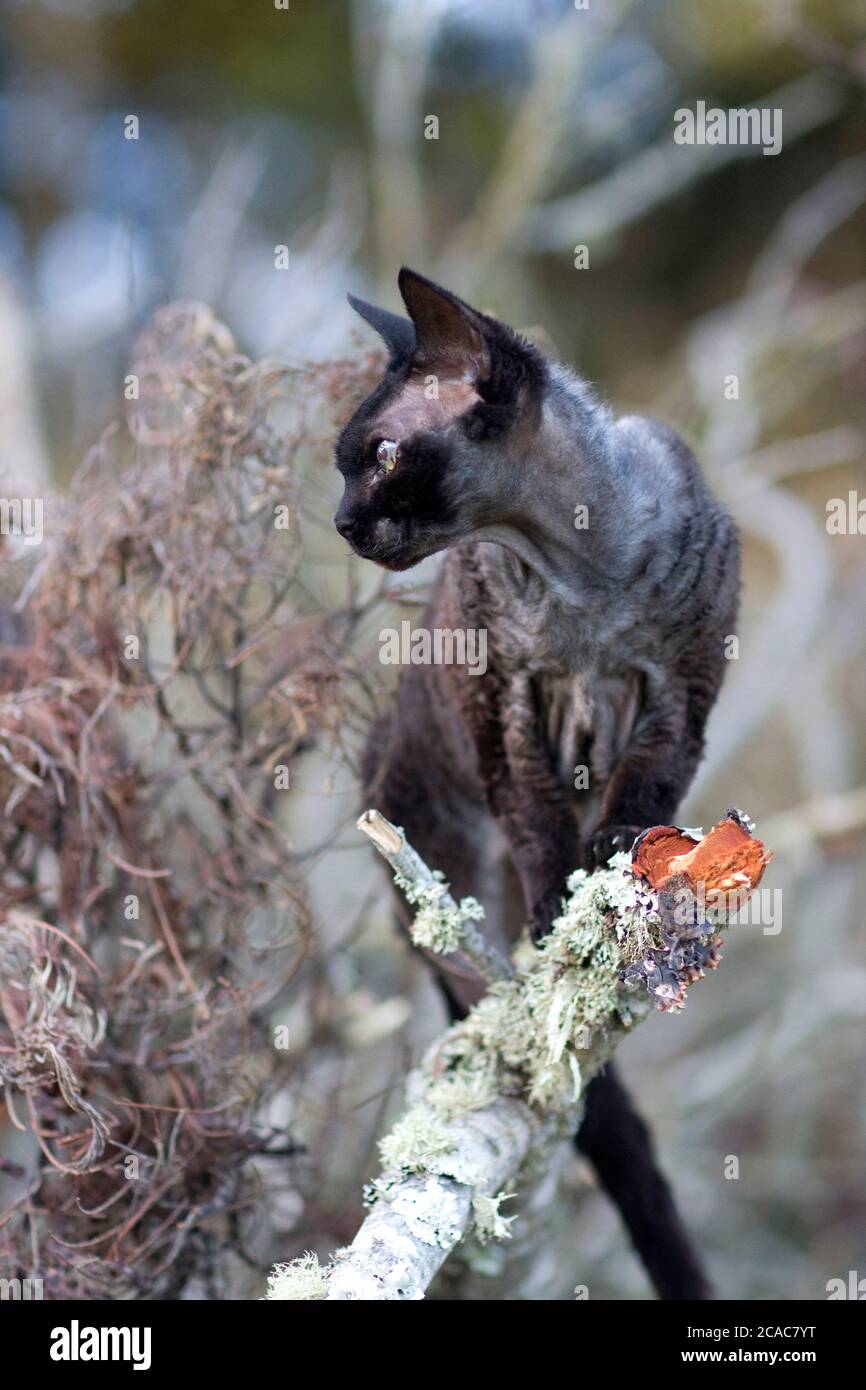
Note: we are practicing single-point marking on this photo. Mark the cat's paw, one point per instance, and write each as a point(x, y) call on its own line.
point(612, 839)
point(545, 912)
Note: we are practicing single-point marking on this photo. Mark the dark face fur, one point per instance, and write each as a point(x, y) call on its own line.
point(458, 388)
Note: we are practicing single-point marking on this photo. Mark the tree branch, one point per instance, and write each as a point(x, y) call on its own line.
point(440, 914)
point(505, 1084)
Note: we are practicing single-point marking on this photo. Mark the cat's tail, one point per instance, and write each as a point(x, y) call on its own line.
point(619, 1146)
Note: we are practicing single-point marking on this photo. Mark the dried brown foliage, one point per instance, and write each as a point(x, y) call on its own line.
point(164, 660)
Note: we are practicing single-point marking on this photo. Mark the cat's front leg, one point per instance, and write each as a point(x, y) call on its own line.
point(539, 825)
point(545, 852)
point(650, 780)
point(524, 793)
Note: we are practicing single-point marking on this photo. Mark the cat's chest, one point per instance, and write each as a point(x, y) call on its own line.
point(586, 688)
point(588, 719)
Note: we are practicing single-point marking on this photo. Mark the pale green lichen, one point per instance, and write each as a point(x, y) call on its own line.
point(544, 1033)
point(416, 1140)
point(490, 1224)
point(437, 927)
point(301, 1279)
point(463, 1090)
point(431, 1212)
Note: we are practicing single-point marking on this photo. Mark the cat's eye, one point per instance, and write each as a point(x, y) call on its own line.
point(387, 454)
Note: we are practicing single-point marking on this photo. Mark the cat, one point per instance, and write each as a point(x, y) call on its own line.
point(606, 578)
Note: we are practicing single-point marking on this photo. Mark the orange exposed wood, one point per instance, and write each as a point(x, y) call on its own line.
point(727, 859)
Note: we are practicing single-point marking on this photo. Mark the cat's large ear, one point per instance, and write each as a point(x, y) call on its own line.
point(449, 335)
point(397, 332)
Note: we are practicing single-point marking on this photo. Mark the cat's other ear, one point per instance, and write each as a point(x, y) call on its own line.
point(449, 335)
point(396, 331)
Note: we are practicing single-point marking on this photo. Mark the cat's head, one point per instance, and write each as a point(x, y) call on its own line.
point(427, 459)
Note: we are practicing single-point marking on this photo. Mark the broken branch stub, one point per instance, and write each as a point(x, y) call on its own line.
point(700, 878)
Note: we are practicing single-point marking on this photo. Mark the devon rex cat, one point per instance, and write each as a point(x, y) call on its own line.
point(606, 578)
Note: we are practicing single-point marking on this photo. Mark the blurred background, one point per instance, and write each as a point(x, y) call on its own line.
point(720, 288)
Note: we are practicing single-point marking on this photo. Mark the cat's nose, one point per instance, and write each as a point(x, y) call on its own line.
point(345, 525)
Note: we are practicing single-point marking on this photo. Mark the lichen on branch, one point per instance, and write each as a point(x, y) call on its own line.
point(506, 1083)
